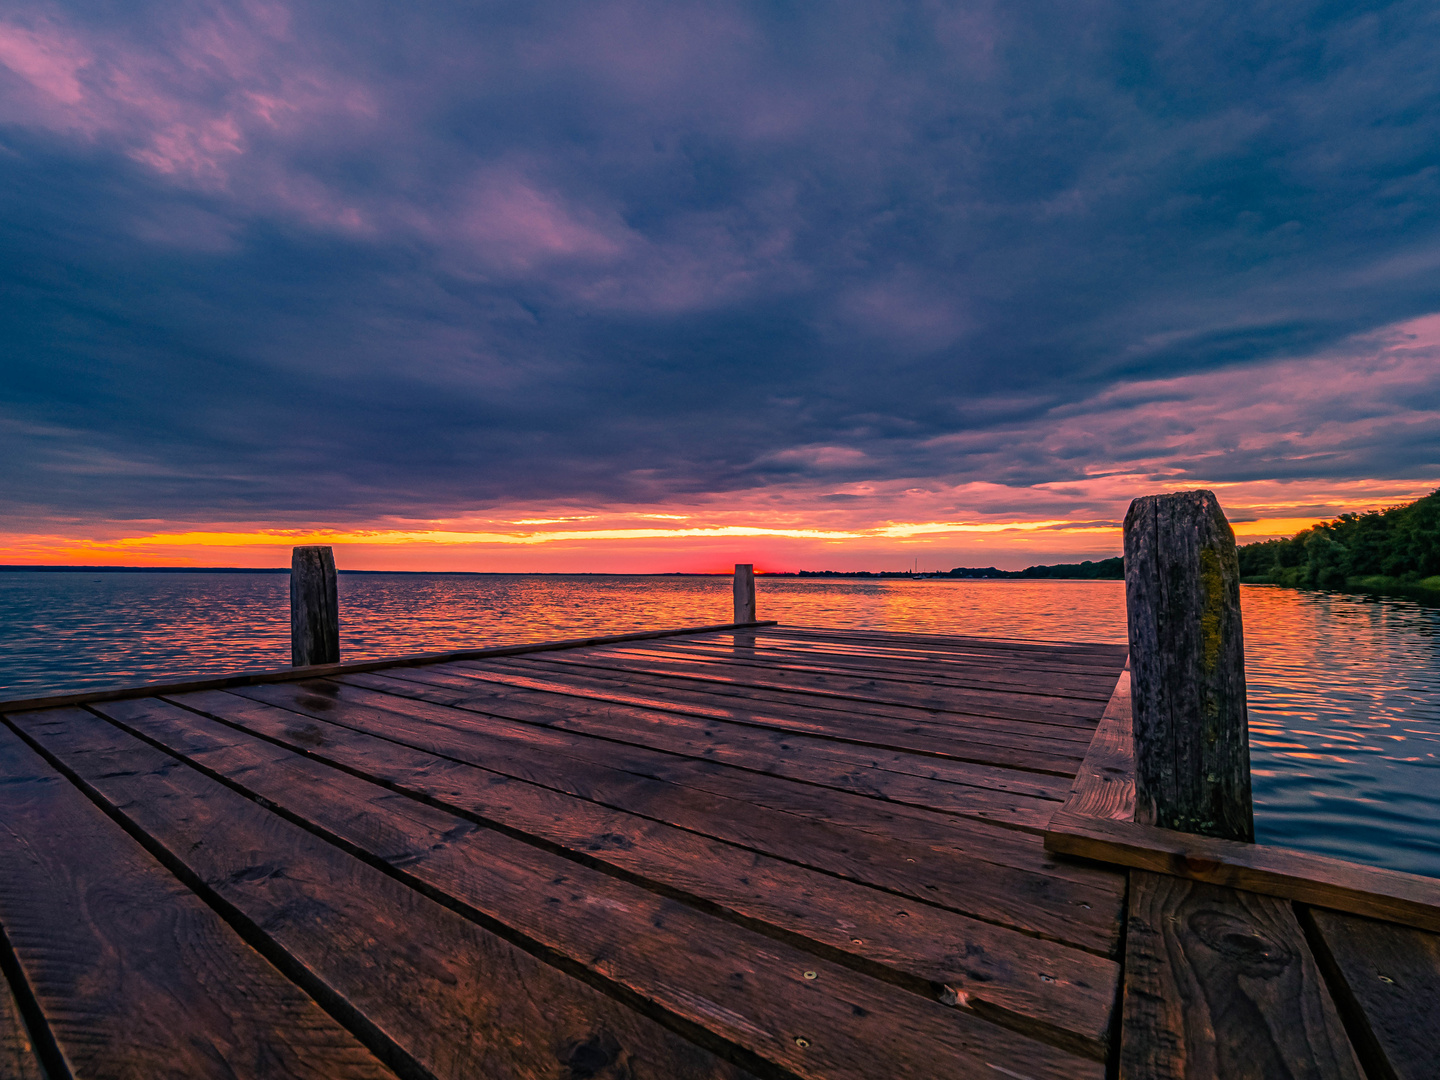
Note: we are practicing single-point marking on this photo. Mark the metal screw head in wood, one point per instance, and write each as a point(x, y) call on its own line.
point(744, 592)
point(314, 608)
point(1187, 658)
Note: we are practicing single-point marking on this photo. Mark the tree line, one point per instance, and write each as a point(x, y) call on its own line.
point(1398, 545)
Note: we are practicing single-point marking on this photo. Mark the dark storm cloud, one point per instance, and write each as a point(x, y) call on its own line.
point(364, 259)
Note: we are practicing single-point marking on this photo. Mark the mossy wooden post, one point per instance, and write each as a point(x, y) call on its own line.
point(744, 592)
point(1187, 659)
point(314, 608)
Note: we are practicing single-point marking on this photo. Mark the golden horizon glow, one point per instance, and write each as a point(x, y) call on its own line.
point(875, 526)
point(294, 537)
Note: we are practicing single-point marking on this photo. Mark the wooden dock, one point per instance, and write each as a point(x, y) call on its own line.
point(761, 851)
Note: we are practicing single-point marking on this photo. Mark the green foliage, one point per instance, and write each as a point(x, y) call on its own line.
point(1400, 545)
point(1105, 569)
point(1108, 569)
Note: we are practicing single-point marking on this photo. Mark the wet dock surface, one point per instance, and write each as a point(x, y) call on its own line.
point(763, 852)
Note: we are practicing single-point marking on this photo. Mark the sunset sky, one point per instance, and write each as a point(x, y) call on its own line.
point(659, 286)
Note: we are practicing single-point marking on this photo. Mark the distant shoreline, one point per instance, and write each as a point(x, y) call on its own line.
point(1034, 573)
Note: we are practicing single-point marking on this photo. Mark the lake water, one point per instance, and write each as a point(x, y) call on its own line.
point(1344, 690)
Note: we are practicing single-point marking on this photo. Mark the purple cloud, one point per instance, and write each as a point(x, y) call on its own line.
point(357, 259)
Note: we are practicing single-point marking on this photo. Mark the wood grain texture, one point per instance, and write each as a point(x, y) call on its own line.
point(507, 690)
point(861, 691)
point(1017, 798)
point(825, 714)
point(989, 678)
point(1098, 653)
point(797, 726)
point(982, 677)
point(650, 851)
point(744, 587)
point(314, 607)
point(1105, 785)
point(828, 717)
point(251, 678)
point(1220, 985)
point(17, 1055)
point(1056, 993)
point(747, 989)
point(455, 999)
point(984, 671)
point(927, 857)
point(533, 724)
point(1388, 895)
point(1389, 984)
point(1187, 657)
point(137, 978)
point(984, 664)
point(991, 841)
point(619, 655)
point(597, 666)
point(821, 716)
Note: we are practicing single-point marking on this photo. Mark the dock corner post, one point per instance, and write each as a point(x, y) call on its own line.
point(314, 608)
point(1187, 659)
point(744, 592)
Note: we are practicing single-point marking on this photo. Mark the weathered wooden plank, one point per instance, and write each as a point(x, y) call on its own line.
point(980, 663)
point(1387, 979)
point(993, 841)
point(1053, 757)
point(1187, 655)
point(137, 978)
point(1054, 992)
point(1105, 785)
point(741, 987)
point(592, 671)
point(1095, 652)
point(1220, 985)
point(622, 651)
point(749, 714)
point(617, 666)
point(958, 654)
point(860, 690)
point(457, 1000)
point(857, 769)
point(1020, 672)
point(900, 664)
point(844, 735)
point(825, 715)
point(989, 677)
point(18, 1060)
point(249, 678)
point(1274, 871)
point(875, 844)
point(776, 702)
point(523, 696)
point(981, 672)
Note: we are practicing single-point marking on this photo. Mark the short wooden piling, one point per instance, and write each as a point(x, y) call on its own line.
point(314, 607)
point(744, 592)
point(1187, 657)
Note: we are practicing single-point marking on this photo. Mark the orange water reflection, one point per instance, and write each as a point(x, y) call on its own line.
point(1344, 690)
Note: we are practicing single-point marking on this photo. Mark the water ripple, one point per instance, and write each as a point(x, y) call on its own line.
point(1344, 690)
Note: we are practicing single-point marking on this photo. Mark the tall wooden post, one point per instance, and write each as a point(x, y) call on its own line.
point(314, 607)
point(744, 592)
point(1187, 660)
